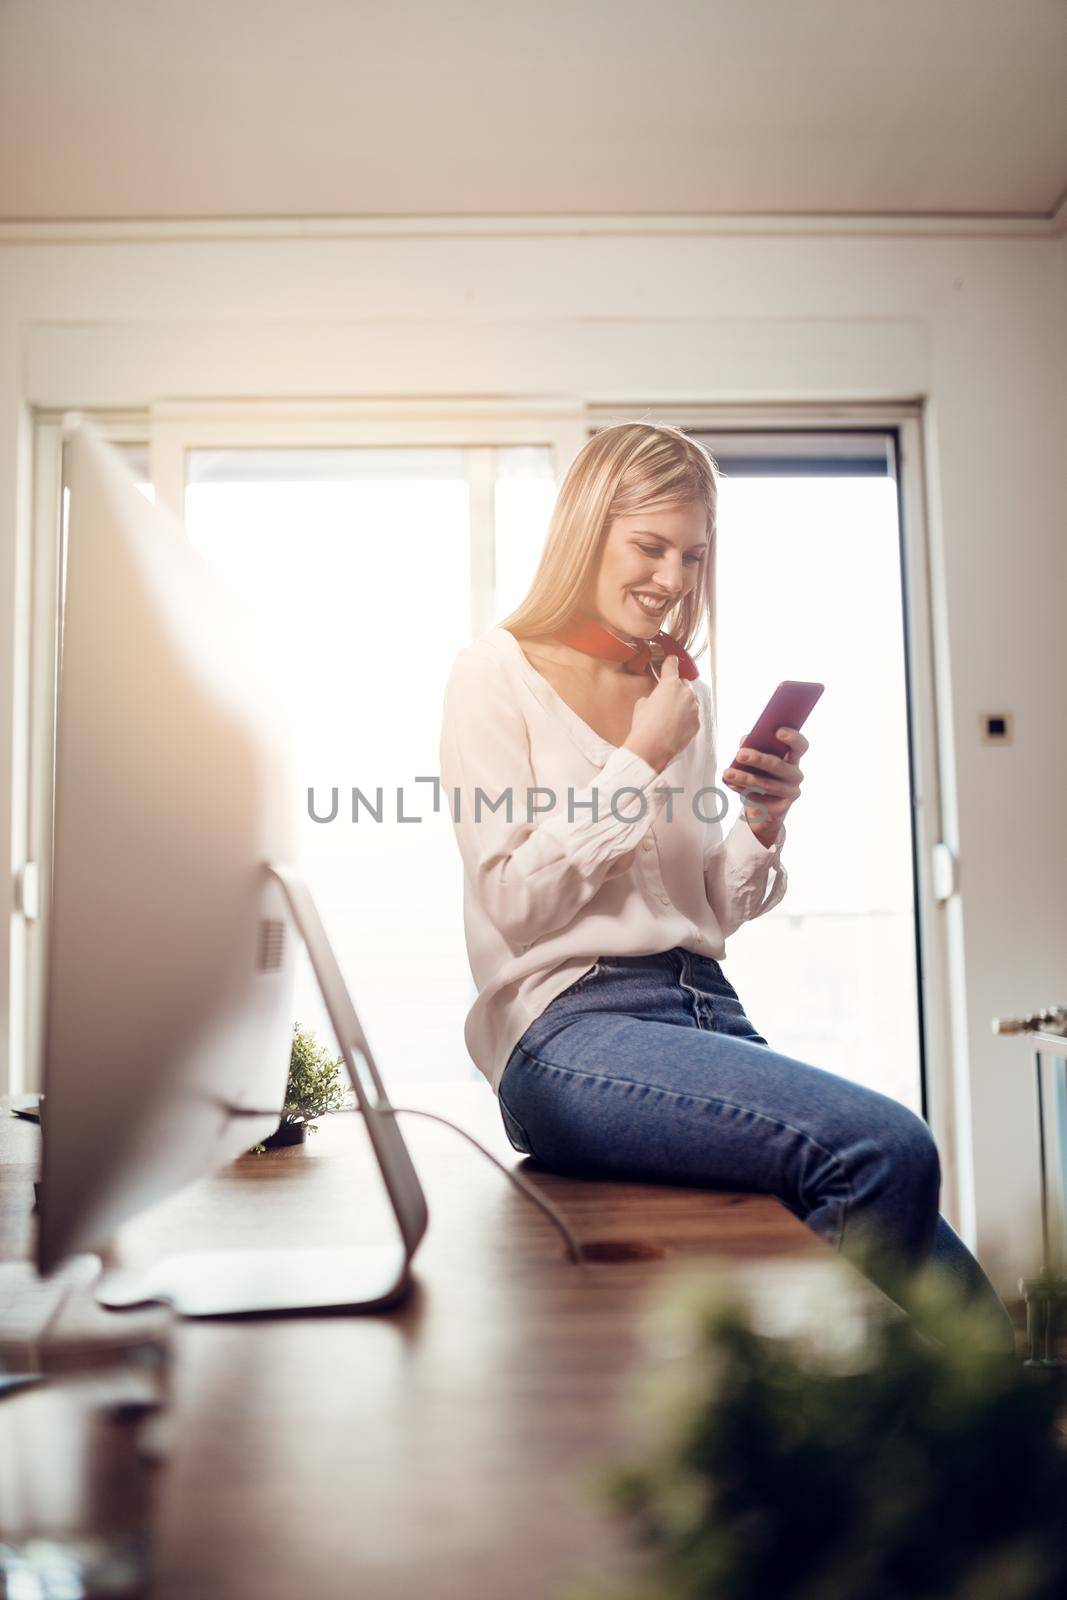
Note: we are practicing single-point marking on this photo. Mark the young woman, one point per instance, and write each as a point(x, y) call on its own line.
point(578, 755)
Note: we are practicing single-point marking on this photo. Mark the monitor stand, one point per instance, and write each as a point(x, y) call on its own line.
point(218, 1283)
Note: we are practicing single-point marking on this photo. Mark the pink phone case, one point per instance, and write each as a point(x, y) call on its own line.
point(789, 707)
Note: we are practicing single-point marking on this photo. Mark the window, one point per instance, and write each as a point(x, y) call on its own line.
point(361, 564)
point(371, 566)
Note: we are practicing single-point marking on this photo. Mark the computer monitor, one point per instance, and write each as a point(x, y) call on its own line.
point(175, 906)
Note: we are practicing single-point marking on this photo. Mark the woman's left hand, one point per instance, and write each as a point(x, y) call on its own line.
point(768, 798)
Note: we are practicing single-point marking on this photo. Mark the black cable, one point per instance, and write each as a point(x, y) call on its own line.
point(551, 1212)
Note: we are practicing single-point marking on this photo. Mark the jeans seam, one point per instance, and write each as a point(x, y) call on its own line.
point(522, 1131)
point(708, 1100)
point(709, 1005)
point(686, 968)
point(698, 996)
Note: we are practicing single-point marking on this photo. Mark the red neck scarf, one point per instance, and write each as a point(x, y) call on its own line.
point(596, 640)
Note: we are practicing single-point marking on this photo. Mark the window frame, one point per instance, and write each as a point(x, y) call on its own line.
point(171, 429)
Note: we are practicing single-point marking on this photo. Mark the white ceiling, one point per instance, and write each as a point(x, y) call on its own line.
point(117, 109)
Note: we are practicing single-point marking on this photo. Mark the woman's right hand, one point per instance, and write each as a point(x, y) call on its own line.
point(666, 720)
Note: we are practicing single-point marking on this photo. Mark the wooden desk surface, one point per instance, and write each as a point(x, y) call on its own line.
point(440, 1449)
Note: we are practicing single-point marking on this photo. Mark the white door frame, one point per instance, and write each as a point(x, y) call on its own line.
point(30, 925)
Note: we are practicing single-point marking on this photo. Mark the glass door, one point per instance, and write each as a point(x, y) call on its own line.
point(811, 585)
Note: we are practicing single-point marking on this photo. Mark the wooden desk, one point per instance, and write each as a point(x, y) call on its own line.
point(439, 1450)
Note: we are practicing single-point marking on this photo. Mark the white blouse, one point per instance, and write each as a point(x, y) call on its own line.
point(574, 849)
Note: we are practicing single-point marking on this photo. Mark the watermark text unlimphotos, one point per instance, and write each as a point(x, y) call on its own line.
point(524, 804)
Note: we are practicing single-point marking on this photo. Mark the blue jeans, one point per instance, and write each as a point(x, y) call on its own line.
point(647, 1068)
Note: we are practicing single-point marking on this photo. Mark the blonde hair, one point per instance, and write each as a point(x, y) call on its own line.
point(625, 468)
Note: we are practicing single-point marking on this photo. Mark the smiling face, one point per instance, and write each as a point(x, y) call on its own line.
point(658, 555)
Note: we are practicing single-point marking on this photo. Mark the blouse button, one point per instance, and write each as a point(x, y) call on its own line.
point(646, 844)
point(665, 899)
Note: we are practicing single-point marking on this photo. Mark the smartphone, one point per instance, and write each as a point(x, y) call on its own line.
point(788, 707)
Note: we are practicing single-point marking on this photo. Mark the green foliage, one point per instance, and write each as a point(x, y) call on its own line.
point(316, 1085)
point(924, 1466)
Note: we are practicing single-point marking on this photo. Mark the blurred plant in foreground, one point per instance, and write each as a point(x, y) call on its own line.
point(912, 1466)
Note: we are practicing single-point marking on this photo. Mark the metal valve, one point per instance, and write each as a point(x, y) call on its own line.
point(1052, 1020)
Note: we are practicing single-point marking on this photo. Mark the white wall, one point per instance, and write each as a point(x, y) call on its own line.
point(976, 326)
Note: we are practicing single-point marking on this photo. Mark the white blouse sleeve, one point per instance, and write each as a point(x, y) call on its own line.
point(532, 875)
point(736, 869)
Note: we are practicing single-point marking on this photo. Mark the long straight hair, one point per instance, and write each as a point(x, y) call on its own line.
point(625, 468)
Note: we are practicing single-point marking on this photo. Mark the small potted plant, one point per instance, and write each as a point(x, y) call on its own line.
point(315, 1088)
